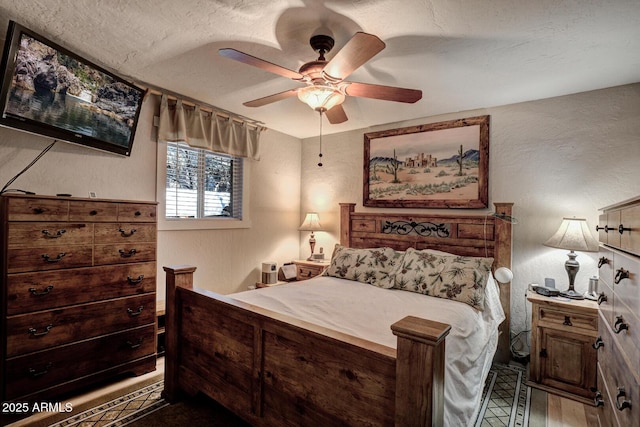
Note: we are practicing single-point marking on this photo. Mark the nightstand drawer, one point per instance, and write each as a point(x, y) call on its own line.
point(562, 319)
point(308, 269)
point(307, 272)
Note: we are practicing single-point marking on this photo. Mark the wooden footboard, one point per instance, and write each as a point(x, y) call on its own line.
point(273, 370)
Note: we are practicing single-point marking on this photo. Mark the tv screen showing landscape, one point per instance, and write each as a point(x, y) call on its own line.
point(50, 91)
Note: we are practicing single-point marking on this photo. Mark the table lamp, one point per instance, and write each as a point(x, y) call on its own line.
point(573, 235)
point(311, 223)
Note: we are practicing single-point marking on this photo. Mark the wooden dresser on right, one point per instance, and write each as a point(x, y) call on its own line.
point(618, 344)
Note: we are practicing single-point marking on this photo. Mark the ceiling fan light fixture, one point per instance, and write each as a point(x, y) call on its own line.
point(320, 97)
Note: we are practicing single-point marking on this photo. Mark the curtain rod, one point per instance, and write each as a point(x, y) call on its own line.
point(203, 106)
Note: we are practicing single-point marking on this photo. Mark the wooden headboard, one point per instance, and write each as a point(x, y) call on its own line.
point(472, 235)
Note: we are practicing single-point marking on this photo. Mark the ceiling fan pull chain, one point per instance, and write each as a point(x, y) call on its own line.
point(320, 154)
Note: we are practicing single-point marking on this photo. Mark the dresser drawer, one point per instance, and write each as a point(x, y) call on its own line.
point(605, 265)
point(35, 234)
point(28, 292)
point(124, 253)
point(37, 371)
point(92, 211)
point(630, 221)
point(561, 320)
point(46, 329)
point(125, 233)
point(606, 410)
point(606, 350)
point(627, 289)
point(605, 302)
point(49, 258)
point(33, 209)
point(136, 212)
point(622, 386)
point(628, 325)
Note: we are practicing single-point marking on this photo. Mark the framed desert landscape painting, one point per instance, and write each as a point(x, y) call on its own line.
point(436, 165)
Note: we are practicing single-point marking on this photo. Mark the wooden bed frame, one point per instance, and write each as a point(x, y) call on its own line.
point(273, 370)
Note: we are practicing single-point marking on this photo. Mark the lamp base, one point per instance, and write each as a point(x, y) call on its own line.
point(570, 293)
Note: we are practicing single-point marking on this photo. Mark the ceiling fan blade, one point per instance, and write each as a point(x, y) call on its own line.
point(387, 93)
point(245, 58)
point(358, 50)
point(336, 115)
point(271, 98)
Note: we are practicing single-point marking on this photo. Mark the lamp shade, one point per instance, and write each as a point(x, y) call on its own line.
point(320, 97)
point(503, 275)
point(573, 235)
point(311, 222)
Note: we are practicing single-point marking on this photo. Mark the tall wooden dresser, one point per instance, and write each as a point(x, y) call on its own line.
point(78, 293)
point(618, 344)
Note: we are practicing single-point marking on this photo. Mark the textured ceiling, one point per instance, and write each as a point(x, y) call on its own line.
point(462, 54)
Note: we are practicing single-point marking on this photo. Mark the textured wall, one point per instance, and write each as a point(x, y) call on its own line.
point(227, 260)
point(564, 156)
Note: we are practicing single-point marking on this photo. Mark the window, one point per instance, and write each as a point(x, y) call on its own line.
point(201, 186)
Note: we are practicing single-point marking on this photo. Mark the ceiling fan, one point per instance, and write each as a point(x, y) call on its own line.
point(325, 88)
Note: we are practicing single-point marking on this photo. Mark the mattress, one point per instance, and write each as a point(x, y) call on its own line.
point(367, 312)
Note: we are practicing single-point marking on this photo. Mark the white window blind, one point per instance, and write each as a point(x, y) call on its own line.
point(202, 184)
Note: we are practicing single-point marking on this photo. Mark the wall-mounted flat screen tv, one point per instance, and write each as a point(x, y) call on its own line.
point(50, 91)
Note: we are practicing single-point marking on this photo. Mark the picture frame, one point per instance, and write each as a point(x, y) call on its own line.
point(420, 167)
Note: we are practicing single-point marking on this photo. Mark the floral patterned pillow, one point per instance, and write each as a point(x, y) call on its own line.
point(373, 265)
point(459, 278)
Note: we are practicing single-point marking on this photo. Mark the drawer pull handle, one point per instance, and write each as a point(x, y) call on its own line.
point(93, 213)
point(567, 321)
point(625, 404)
point(606, 228)
point(602, 298)
point(598, 400)
point(47, 258)
point(34, 332)
point(133, 281)
point(58, 234)
point(132, 313)
point(133, 346)
point(35, 374)
point(602, 261)
point(125, 234)
point(46, 291)
point(622, 229)
point(621, 274)
point(138, 213)
point(620, 326)
point(125, 254)
point(599, 343)
point(38, 211)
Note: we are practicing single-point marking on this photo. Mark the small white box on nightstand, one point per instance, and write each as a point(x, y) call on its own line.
point(269, 272)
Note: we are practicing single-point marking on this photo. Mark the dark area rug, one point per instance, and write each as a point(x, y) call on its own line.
point(199, 411)
point(506, 401)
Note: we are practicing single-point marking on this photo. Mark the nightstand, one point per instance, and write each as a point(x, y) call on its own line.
point(308, 269)
point(563, 359)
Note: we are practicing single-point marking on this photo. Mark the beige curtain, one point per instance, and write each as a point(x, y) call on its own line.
point(202, 129)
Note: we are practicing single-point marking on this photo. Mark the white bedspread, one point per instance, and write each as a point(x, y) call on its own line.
point(367, 312)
